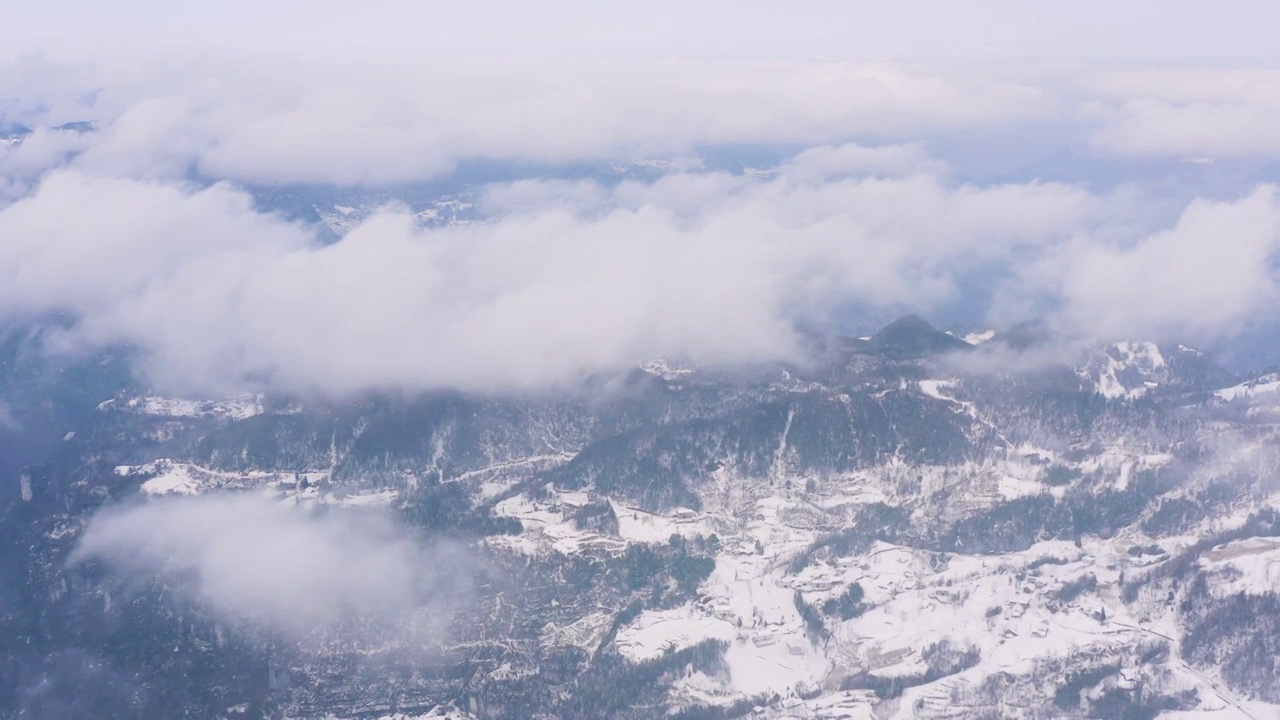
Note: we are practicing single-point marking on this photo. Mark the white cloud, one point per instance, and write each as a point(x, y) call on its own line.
point(710, 267)
point(1199, 279)
point(1183, 84)
point(249, 558)
point(41, 150)
point(354, 123)
point(826, 162)
point(1198, 130)
point(85, 244)
point(282, 121)
point(572, 277)
point(1186, 112)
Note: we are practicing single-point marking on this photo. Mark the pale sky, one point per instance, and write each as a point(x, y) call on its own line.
point(1163, 30)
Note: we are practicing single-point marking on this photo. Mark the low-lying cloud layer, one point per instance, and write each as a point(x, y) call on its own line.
point(571, 279)
point(250, 558)
point(140, 232)
point(707, 266)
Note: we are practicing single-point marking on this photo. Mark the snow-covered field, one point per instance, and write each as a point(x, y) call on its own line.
point(1016, 611)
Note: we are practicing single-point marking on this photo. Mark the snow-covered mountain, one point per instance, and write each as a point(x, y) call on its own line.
point(890, 530)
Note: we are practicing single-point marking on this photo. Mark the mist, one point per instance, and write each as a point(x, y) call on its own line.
point(257, 560)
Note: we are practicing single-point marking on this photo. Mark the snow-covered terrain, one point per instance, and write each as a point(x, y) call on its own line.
point(876, 538)
point(237, 408)
point(1017, 613)
point(166, 477)
point(1125, 370)
point(1264, 385)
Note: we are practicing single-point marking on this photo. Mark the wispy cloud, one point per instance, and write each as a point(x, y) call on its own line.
point(252, 559)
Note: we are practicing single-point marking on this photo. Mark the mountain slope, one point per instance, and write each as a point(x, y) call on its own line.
point(879, 533)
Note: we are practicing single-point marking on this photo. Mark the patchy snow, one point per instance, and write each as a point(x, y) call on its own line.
point(548, 527)
point(368, 499)
point(586, 632)
point(1124, 370)
point(1265, 385)
point(1250, 565)
point(641, 526)
point(178, 479)
point(495, 479)
point(1015, 610)
point(167, 477)
point(934, 388)
point(440, 712)
point(548, 524)
point(1120, 463)
point(237, 408)
point(672, 163)
point(446, 210)
point(656, 632)
point(1243, 710)
point(666, 369)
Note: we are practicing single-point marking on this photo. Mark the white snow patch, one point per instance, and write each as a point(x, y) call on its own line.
point(641, 526)
point(1265, 385)
point(237, 408)
point(656, 631)
point(169, 477)
point(368, 499)
point(1250, 565)
point(1114, 371)
point(440, 712)
point(666, 369)
point(548, 527)
point(934, 388)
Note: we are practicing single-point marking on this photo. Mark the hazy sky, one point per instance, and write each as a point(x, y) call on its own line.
point(1167, 30)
